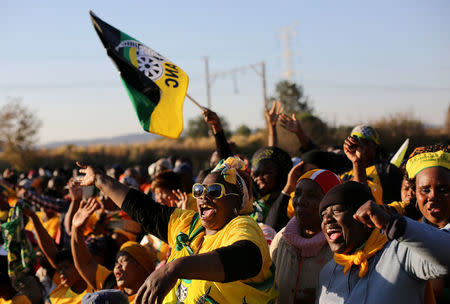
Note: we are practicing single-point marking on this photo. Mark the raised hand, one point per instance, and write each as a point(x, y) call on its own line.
point(293, 177)
point(290, 123)
point(75, 190)
point(212, 119)
point(355, 151)
point(372, 215)
point(182, 199)
point(84, 212)
point(89, 178)
point(273, 114)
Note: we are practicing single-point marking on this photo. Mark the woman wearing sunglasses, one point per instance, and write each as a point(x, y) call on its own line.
point(218, 256)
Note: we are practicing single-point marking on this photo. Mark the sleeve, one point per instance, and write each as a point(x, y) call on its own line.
point(241, 260)
point(222, 146)
point(423, 250)
point(56, 204)
point(277, 216)
point(248, 246)
point(153, 217)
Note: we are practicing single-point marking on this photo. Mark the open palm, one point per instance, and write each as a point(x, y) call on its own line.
point(84, 212)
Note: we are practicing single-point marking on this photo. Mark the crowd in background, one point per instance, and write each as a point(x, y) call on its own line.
point(324, 226)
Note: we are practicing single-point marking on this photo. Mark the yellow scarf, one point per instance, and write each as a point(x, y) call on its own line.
point(376, 242)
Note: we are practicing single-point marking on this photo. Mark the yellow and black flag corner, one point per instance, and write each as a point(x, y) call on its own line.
point(156, 86)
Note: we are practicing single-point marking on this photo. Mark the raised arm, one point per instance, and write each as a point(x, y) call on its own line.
point(83, 260)
point(75, 195)
point(277, 217)
point(356, 153)
point(293, 125)
point(45, 241)
point(108, 185)
point(272, 119)
point(222, 146)
point(424, 250)
point(140, 207)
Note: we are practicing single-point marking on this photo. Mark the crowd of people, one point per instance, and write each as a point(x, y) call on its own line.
point(325, 226)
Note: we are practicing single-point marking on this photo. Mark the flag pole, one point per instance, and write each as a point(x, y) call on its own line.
point(195, 102)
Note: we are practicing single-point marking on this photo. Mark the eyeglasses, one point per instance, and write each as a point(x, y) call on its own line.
point(214, 191)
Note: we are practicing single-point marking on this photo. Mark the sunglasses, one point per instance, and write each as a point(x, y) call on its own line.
point(214, 191)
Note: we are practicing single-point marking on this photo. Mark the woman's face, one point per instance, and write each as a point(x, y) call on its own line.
point(164, 197)
point(128, 272)
point(265, 175)
point(433, 195)
point(216, 213)
point(407, 191)
point(343, 233)
point(308, 195)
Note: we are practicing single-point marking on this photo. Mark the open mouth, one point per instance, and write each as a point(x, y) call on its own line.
point(435, 210)
point(334, 233)
point(119, 276)
point(63, 280)
point(207, 211)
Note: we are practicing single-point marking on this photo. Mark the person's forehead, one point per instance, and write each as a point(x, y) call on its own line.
point(265, 165)
point(307, 183)
point(211, 179)
point(433, 175)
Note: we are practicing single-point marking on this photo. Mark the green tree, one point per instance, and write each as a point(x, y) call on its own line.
point(19, 128)
point(292, 97)
point(243, 130)
point(197, 127)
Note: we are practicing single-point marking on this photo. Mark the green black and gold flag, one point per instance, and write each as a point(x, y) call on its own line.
point(156, 86)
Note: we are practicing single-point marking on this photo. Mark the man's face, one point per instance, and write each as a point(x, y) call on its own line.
point(343, 233)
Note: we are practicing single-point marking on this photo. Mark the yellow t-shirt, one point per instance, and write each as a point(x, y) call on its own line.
point(399, 206)
point(64, 295)
point(100, 276)
point(259, 289)
point(19, 299)
point(191, 203)
point(373, 181)
point(51, 225)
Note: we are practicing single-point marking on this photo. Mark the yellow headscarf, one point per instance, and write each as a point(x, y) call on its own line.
point(375, 243)
point(427, 160)
point(140, 254)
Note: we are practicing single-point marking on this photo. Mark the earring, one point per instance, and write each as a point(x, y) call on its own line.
point(235, 212)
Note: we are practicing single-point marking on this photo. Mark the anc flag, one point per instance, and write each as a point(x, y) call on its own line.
point(156, 86)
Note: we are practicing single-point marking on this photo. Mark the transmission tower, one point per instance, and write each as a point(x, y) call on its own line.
point(288, 33)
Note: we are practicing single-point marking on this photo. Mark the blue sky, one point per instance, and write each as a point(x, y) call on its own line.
point(357, 60)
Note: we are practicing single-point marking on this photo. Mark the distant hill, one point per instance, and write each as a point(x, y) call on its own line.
point(117, 140)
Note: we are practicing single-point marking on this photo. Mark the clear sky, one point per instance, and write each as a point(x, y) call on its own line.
point(357, 60)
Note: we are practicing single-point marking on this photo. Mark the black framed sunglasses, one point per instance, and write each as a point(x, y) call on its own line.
point(214, 191)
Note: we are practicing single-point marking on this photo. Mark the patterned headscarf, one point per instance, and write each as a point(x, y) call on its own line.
point(366, 132)
point(229, 170)
point(326, 179)
point(427, 160)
